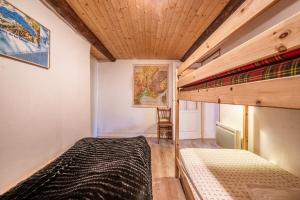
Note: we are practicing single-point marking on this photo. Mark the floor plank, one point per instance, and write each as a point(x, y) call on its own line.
point(165, 185)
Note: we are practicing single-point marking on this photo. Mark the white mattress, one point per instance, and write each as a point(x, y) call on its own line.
point(225, 174)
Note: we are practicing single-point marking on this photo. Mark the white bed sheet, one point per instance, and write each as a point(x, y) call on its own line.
point(227, 174)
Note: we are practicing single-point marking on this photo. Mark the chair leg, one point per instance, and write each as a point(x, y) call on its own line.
point(171, 134)
point(158, 134)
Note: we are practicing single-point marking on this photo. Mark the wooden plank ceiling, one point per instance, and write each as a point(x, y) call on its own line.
point(147, 29)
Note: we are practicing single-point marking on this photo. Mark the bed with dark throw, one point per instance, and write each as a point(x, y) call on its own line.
point(94, 168)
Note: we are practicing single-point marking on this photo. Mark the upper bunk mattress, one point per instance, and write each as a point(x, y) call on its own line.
point(234, 174)
point(94, 168)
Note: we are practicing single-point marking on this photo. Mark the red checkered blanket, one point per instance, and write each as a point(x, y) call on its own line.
point(283, 65)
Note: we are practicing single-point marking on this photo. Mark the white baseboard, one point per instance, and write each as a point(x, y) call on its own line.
point(183, 134)
point(189, 135)
point(125, 134)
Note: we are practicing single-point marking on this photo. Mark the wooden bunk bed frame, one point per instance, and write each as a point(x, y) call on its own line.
point(279, 92)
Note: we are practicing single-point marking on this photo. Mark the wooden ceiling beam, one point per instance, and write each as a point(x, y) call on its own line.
point(226, 12)
point(68, 14)
point(98, 55)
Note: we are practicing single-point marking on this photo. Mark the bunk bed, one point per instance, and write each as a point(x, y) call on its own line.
point(263, 71)
point(94, 168)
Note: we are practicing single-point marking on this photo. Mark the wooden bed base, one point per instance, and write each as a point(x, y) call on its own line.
point(280, 93)
point(184, 181)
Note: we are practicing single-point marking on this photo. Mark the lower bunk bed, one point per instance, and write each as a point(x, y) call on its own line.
point(94, 168)
point(232, 174)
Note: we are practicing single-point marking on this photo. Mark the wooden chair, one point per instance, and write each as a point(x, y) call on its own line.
point(164, 124)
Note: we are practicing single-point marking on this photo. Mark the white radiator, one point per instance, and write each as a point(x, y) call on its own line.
point(227, 137)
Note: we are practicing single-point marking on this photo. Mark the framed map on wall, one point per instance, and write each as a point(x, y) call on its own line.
point(22, 38)
point(150, 85)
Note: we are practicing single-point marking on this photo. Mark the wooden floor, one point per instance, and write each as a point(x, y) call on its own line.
point(165, 185)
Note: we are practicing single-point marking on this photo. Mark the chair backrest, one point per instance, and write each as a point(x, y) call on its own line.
point(164, 114)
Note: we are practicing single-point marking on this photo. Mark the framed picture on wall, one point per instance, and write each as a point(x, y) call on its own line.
point(23, 38)
point(150, 85)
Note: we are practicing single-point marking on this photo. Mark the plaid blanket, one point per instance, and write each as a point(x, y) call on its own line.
point(284, 65)
point(94, 168)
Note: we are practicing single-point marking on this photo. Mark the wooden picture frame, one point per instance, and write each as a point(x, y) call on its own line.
point(163, 70)
point(25, 39)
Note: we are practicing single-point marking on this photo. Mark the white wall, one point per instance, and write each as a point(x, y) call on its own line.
point(277, 13)
point(117, 116)
point(43, 112)
point(197, 119)
point(232, 116)
point(189, 120)
point(273, 133)
point(210, 115)
point(94, 96)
